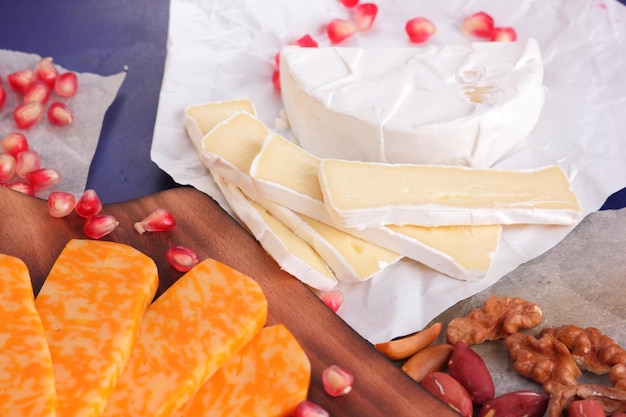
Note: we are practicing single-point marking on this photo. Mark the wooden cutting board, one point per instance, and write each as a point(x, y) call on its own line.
point(380, 388)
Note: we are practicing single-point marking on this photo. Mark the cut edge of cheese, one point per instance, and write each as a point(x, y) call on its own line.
point(290, 252)
point(186, 335)
point(27, 384)
point(91, 305)
point(268, 377)
point(430, 195)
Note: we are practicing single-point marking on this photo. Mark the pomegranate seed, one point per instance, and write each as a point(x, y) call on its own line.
point(21, 80)
point(28, 114)
point(59, 114)
point(181, 258)
point(14, 143)
point(88, 204)
point(503, 34)
point(99, 225)
point(309, 409)
point(339, 30)
point(66, 84)
point(364, 16)
point(349, 3)
point(3, 96)
point(43, 178)
point(276, 79)
point(38, 91)
point(46, 72)
point(277, 60)
point(26, 162)
point(22, 187)
point(420, 29)
point(160, 220)
point(60, 203)
point(306, 41)
point(333, 299)
point(337, 381)
point(479, 25)
point(7, 167)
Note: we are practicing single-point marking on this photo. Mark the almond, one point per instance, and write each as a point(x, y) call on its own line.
point(585, 408)
point(430, 359)
point(467, 367)
point(449, 391)
point(516, 404)
point(404, 347)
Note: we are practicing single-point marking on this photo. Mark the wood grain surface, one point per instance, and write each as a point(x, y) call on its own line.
point(380, 388)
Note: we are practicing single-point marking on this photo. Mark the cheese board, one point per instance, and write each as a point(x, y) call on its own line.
point(380, 388)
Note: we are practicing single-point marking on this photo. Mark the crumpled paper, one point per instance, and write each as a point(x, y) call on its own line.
point(68, 149)
point(225, 49)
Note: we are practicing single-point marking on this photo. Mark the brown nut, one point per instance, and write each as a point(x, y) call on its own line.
point(516, 404)
point(404, 347)
point(467, 367)
point(585, 408)
point(449, 391)
point(430, 359)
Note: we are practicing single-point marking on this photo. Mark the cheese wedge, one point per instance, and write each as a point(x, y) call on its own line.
point(287, 174)
point(360, 195)
point(191, 330)
point(26, 376)
point(290, 252)
point(91, 306)
point(200, 119)
point(268, 377)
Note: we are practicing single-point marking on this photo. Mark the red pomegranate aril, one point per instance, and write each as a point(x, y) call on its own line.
point(420, 29)
point(60, 203)
point(337, 381)
point(333, 299)
point(22, 187)
point(364, 16)
point(349, 3)
point(479, 25)
point(276, 79)
point(306, 41)
point(21, 80)
point(26, 162)
point(43, 178)
point(7, 167)
point(160, 220)
point(46, 72)
point(59, 114)
point(99, 225)
point(28, 114)
point(339, 30)
point(181, 258)
point(310, 409)
point(88, 204)
point(3, 96)
point(503, 34)
point(66, 84)
point(38, 91)
point(14, 143)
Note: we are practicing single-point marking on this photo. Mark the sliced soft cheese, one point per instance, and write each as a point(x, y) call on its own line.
point(463, 104)
point(200, 119)
point(289, 251)
point(360, 195)
point(351, 259)
point(288, 175)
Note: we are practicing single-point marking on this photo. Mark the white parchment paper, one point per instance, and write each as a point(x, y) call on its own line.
point(68, 149)
point(224, 49)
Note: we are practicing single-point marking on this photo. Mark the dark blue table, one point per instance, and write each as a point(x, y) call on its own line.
point(104, 37)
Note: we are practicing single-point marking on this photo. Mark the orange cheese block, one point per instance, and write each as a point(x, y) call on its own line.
point(26, 375)
point(186, 335)
point(269, 377)
point(91, 306)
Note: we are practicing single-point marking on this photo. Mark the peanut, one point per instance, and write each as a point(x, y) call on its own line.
point(467, 367)
point(404, 347)
point(585, 408)
point(430, 359)
point(449, 391)
point(516, 404)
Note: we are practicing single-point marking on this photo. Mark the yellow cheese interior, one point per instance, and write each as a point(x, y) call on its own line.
point(209, 115)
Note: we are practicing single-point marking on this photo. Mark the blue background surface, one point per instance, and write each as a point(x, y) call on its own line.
point(104, 37)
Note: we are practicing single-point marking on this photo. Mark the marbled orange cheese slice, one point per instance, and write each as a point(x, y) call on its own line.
point(26, 375)
point(186, 335)
point(269, 377)
point(91, 306)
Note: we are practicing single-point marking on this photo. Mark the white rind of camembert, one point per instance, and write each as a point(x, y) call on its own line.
point(443, 105)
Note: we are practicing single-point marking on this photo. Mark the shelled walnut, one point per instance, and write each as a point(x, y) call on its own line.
point(496, 319)
point(611, 399)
